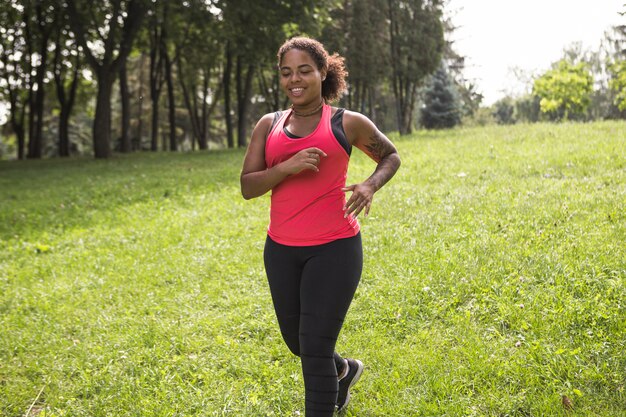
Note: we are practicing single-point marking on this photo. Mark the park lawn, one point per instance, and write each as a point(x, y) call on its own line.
point(494, 283)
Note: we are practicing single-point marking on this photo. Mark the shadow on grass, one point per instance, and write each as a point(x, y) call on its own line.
point(38, 197)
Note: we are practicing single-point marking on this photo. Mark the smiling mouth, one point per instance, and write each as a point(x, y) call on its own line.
point(297, 91)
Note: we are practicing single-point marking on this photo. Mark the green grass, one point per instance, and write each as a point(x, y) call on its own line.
point(494, 283)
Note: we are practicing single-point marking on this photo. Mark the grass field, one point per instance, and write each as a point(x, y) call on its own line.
point(494, 283)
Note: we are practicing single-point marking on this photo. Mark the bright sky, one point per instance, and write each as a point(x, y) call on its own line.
point(498, 35)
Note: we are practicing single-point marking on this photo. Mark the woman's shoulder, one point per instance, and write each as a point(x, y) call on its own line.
point(263, 126)
point(268, 117)
point(267, 120)
point(354, 121)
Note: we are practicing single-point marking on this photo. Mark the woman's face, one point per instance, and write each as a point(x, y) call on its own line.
point(300, 78)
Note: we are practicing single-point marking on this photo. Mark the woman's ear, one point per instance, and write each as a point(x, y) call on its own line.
point(323, 75)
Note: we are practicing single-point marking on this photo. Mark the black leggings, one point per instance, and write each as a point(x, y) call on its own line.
point(312, 287)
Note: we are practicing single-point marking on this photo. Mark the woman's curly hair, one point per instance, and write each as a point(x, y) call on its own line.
point(335, 83)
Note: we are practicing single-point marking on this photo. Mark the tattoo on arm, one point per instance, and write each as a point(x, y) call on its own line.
point(381, 150)
point(379, 147)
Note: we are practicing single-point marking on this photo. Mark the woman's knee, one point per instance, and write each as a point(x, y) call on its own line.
point(293, 343)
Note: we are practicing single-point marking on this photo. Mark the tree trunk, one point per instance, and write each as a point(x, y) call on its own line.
point(155, 94)
point(171, 102)
point(66, 100)
point(226, 82)
point(410, 108)
point(191, 106)
point(154, 141)
point(21, 141)
point(244, 92)
point(203, 139)
point(17, 121)
point(37, 139)
point(64, 146)
point(102, 120)
point(18, 128)
point(28, 39)
point(138, 142)
point(32, 117)
point(41, 94)
point(398, 104)
point(398, 87)
point(371, 105)
point(107, 67)
point(125, 145)
point(64, 139)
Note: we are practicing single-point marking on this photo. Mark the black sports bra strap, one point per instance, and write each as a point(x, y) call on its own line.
point(276, 118)
point(336, 124)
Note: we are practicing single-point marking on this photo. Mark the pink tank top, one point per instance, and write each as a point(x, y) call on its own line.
point(307, 208)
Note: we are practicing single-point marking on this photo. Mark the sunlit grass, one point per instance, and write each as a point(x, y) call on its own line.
point(494, 283)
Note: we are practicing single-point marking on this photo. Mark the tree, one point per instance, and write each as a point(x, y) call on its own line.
point(614, 44)
point(125, 145)
point(367, 47)
point(252, 33)
point(503, 111)
point(66, 85)
point(169, 26)
point(15, 70)
point(618, 83)
point(598, 62)
point(105, 30)
point(442, 105)
point(565, 90)
point(198, 68)
point(164, 28)
point(527, 108)
point(416, 46)
point(39, 25)
point(468, 92)
point(156, 34)
point(24, 56)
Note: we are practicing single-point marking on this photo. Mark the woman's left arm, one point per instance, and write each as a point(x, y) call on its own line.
point(363, 134)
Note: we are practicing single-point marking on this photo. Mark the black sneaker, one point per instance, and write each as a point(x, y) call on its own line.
point(355, 369)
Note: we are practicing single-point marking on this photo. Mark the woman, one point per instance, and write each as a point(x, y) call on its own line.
point(313, 255)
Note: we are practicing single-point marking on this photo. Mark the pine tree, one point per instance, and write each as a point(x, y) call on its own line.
point(442, 104)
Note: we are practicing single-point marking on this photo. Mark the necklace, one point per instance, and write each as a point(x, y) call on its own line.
point(309, 113)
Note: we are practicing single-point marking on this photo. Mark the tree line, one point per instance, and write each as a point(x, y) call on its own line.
point(172, 74)
point(584, 84)
point(82, 77)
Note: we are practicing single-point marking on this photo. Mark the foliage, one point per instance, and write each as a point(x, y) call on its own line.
point(120, 21)
point(442, 106)
point(416, 46)
point(503, 111)
point(222, 62)
point(565, 90)
point(527, 108)
point(356, 31)
point(483, 116)
point(618, 83)
point(468, 90)
point(598, 62)
point(494, 283)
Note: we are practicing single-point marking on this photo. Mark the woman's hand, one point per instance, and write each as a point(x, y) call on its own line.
point(305, 159)
point(361, 198)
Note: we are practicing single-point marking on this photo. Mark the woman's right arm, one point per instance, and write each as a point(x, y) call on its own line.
point(256, 179)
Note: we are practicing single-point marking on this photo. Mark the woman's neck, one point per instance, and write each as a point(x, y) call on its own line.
point(308, 109)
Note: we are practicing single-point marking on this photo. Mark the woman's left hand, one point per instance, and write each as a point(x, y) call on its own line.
point(361, 199)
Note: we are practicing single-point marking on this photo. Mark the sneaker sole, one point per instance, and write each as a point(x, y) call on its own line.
point(359, 371)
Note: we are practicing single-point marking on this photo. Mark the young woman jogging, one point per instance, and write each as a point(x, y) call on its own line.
point(313, 255)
